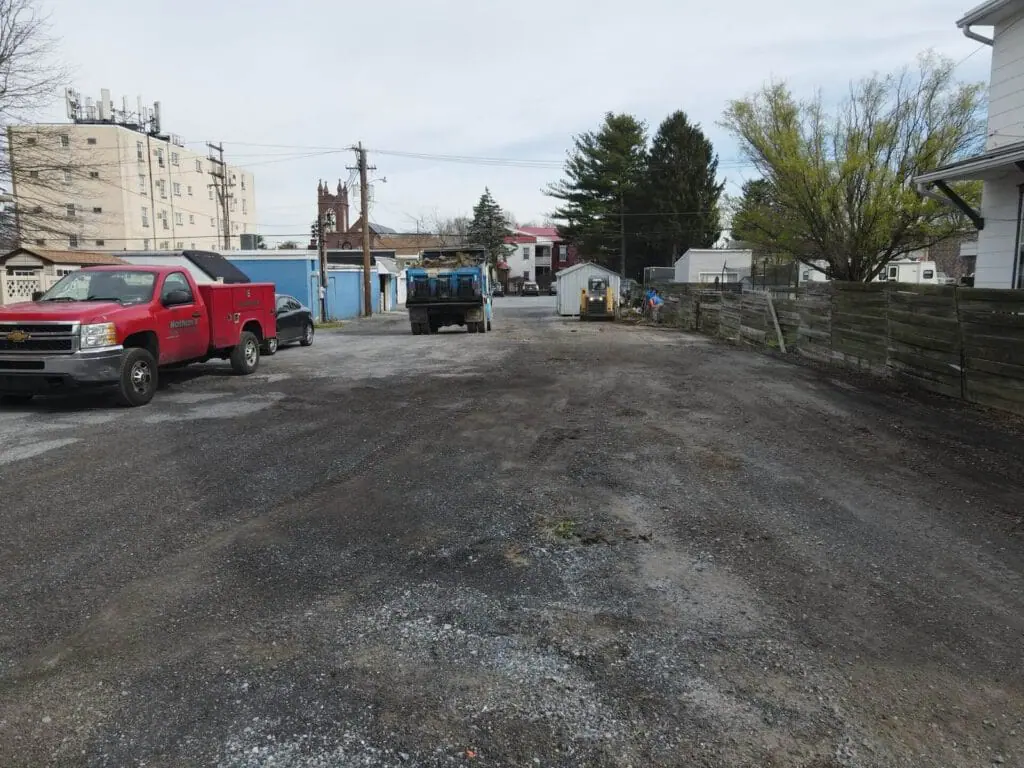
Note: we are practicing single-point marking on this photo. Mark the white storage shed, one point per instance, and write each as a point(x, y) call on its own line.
point(573, 280)
point(705, 265)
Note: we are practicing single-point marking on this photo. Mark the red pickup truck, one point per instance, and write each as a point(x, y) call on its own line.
point(116, 326)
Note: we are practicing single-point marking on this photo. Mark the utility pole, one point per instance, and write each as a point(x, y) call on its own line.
point(222, 185)
point(325, 224)
point(364, 213)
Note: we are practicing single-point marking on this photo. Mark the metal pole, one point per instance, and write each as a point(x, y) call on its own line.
point(322, 245)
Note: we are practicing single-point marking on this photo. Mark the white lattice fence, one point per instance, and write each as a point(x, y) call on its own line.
point(15, 288)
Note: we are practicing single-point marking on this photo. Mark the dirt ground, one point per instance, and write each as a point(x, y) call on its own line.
point(557, 544)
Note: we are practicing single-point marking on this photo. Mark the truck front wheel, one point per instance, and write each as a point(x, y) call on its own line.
point(245, 357)
point(138, 380)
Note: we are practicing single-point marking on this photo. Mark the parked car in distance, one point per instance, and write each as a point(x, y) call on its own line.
point(531, 289)
point(294, 324)
point(553, 288)
point(497, 290)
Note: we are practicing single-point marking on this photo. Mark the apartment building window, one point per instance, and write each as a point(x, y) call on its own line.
point(67, 175)
point(37, 209)
point(243, 183)
point(233, 204)
point(177, 189)
point(193, 246)
point(163, 188)
point(160, 157)
point(174, 158)
point(191, 218)
point(163, 218)
point(33, 174)
point(145, 216)
point(199, 166)
point(190, 190)
point(31, 140)
point(165, 245)
point(234, 226)
point(210, 190)
point(90, 140)
point(244, 206)
point(72, 241)
point(180, 244)
point(213, 222)
point(40, 241)
point(101, 242)
point(145, 245)
point(142, 182)
point(94, 174)
point(178, 219)
point(65, 140)
point(139, 151)
point(70, 208)
point(97, 209)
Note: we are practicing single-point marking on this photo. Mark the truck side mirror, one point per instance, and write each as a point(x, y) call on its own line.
point(176, 298)
point(37, 295)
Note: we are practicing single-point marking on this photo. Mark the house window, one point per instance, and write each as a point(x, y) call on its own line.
point(30, 140)
point(893, 273)
point(929, 274)
point(37, 209)
point(191, 218)
point(40, 241)
point(64, 271)
point(97, 209)
point(70, 208)
point(526, 253)
point(199, 166)
point(142, 182)
point(177, 189)
point(244, 206)
point(94, 174)
point(90, 141)
point(145, 216)
point(174, 158)
point(138, 151)
point(33, 174)
point(178, 219)
point(101, 242)
point(65, 140)
point(526, 274)
point(67, 175)
point(190, 190)
point(72, 241)
point(563, 253)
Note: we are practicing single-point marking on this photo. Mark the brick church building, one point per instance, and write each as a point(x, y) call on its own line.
point(335, 206)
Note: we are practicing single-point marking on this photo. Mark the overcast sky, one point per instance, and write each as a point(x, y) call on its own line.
point(283, 84)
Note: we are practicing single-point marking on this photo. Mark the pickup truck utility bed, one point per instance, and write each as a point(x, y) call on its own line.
point(116, 326)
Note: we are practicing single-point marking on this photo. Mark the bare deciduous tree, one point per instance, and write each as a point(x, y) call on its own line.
point(30, 78)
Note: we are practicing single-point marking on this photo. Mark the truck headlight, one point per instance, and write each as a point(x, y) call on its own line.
point(98, 335)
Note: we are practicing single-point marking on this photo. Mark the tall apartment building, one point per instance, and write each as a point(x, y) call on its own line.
point(106, 186)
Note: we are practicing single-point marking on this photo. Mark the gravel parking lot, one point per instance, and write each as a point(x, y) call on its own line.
point(556, 544)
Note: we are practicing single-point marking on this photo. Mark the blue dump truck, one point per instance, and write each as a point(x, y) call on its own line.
point(450, 286)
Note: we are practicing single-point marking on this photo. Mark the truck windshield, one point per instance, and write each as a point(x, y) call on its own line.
point(124, 286)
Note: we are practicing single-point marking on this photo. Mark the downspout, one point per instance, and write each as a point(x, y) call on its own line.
point(970, 33)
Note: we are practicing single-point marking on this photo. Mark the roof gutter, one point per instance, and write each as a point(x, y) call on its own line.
point(970, 33)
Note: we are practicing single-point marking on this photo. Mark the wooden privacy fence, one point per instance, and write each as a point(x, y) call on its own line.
point(966, 343)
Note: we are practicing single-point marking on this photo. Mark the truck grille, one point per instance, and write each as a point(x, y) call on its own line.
point(35, 338)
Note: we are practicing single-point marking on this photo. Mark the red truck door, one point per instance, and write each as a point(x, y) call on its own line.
point(184, 330)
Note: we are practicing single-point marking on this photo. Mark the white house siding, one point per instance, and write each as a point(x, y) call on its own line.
point(703, 265)
point(1006, 88)
point(519, 264)
point(996, 241)
point(572, 282)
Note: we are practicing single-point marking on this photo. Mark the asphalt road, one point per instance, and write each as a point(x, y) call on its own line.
point(555, 544)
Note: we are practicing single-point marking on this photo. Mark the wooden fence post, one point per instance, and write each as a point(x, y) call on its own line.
point(775, 321)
